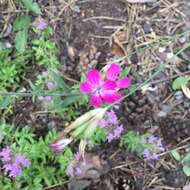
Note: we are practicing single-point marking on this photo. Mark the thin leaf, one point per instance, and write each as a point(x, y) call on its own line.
point(176, 155)
point(21, 41)
point(186, 158)
point(71, 99)
point(21, 23)
point(186, 170)
point(60, 82)
point(32, 6)
point(5, 102)
point(117, 47)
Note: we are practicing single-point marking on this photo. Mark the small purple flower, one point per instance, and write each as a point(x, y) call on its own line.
point(102, 123)
point(51, 85)
point(110, 137)
point(40, 23)
point(118, 131)
point(59, 145)
point(154, 157)
point(152, 139)
point(47, 98)
point(78, 171)
point(5, 154)
point(112, 118)
point(15, 170)
point(21, 160)
point(160, 145)
point(69, 170)
point(77, 156)
point(146, 153)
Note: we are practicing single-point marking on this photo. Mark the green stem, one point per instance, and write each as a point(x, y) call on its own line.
point(29, 94)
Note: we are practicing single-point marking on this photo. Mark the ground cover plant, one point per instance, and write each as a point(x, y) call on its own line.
point(94, 95)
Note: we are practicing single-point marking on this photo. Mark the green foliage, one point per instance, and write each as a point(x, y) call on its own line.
point(184, 161)
point(99, 136)
point(46, 169)
point(134, 142)
point(32, 6)
point(21, 26)
point(67, 106)
point(45, 49)
point(12, 69)
point(178, 82)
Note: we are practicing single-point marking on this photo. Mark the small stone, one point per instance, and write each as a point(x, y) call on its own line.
point(170, 55)
point(178, 95)
point(182, 40)
point(147, 28)
point(162, 49)
point(186, 104)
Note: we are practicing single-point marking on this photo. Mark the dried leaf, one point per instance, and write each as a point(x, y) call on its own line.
point(116, 47)
point(71, 52)
point(82, 147)
point(186, 91)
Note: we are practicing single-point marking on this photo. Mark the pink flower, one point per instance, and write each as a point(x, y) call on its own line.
point(104, 91)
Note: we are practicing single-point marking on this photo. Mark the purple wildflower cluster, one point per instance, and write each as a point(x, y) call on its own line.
point(13, 164)
point(154, 147)
point(112, 126)
point(74, 168)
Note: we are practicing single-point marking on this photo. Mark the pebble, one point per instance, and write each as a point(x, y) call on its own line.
point(147, 27)
point(182, 40)
point(162, 49)
point(186, 104)
point(179, 95)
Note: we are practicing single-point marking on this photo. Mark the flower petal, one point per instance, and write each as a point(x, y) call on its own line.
point(86, 88)
point(113, 72)
point(94, 77)
point(96, 100)
point(110, 96)
point(109, 85)
point(124, 82)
